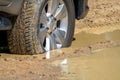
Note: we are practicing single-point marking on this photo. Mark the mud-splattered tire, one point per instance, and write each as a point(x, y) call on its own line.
point(25, 37)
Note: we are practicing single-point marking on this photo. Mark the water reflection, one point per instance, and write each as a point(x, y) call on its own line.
point(103, 64)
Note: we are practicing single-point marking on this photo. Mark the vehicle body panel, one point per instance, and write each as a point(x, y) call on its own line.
point(13, 7)
point(4, 2)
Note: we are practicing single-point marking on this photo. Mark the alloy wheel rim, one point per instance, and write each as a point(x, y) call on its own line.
point(53, 24)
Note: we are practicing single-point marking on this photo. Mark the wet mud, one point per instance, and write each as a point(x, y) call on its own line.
point(93, 55)
point(102, 64)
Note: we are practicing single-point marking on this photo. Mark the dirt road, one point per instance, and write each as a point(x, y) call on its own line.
point(102, 12)
point(98, 31)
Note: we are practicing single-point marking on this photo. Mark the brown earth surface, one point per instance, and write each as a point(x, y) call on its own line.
point(102, 20)
point(102, 12)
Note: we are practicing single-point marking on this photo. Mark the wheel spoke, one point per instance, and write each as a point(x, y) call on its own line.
point(43, 18)
point(59, 35)
point(53, 42)
point(53, 6)
point(43, 34)
point(47, 46)
point(50, 43)
point(61, 12)
point(63, 26)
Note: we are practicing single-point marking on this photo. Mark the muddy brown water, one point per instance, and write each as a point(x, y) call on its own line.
point(84, 38)
point(103, 64)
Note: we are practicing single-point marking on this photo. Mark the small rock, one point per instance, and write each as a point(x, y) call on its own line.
point(44, 58)
point(20, 59)
point(31, 72)
point(90, 47)
point(43, 75)
point(35, 56)
point(5, 59)
point(63, 53)
point(74, 38)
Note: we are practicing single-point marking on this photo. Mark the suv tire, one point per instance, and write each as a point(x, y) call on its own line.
point(41, 27)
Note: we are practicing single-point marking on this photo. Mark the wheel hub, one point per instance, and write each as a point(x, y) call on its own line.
point(51, 23)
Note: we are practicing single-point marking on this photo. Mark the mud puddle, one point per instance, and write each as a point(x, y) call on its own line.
point(86, 41)
point(85, 38)
point(97, 57)
point(102, 64)
point(81, 63)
